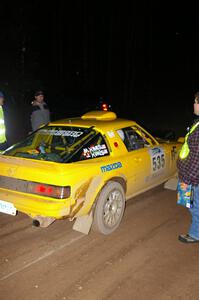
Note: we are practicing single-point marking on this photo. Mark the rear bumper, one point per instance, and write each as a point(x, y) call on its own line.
point(34, 205)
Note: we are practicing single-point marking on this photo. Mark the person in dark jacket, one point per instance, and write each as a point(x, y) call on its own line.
point(40, 114)
point(188, 172)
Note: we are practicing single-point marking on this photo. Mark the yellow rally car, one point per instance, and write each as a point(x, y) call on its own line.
point(84, 169)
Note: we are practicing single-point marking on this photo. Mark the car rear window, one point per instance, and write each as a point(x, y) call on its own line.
point(61, 144)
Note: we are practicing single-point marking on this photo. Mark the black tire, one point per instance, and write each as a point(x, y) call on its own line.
point(109, 209)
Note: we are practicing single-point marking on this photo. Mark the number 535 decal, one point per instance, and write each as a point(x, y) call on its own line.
point(157, 158)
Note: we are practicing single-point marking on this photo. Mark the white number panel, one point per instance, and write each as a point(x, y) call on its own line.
point(157, 159)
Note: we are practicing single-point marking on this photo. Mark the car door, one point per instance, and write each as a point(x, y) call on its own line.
point(159, 156)
point(145, 158)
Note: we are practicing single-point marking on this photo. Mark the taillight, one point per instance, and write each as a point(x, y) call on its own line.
point(54, 191)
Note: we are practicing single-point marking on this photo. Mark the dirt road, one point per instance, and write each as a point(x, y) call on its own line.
point(142, 260)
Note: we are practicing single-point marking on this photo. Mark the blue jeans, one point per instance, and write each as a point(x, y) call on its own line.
point(194, 211)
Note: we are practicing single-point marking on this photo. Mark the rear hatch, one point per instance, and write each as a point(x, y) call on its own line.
point(37, 171)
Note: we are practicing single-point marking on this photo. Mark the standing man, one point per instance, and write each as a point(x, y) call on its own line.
point(188, 170)
point(3, 141)
point(40, 112)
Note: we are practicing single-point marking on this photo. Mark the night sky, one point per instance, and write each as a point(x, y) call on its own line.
point(141, 56)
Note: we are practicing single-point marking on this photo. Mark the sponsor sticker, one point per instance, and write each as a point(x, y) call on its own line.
point(95, 151)
point(110, 133)
point(54, 132)
point(111, 167)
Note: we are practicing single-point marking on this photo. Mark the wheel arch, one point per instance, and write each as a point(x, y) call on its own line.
point(86, 223)
point(114, 208)
point(119, 179)
point(91, 200)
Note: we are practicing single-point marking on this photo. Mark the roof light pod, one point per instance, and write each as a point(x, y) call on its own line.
point(100, 115)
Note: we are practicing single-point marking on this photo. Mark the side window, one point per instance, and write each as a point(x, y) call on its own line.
point(96, 147)
point(148, 140)
point(131, 139)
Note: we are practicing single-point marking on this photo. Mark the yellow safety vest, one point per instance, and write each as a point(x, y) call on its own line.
point(2, 127)
point(184, 152)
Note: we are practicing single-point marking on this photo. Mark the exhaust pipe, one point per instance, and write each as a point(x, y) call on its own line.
point(40, 221)
point(35, 223)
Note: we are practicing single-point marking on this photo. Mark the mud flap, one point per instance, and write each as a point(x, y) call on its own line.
point(83, 223)
point(171, 184)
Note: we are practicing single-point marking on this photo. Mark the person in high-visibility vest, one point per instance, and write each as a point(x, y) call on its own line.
point(3, 141)
point(188, 173)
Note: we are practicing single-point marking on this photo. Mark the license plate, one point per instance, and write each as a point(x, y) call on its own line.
point(7, 208)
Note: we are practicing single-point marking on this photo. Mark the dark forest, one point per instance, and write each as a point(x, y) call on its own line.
point(141, 56)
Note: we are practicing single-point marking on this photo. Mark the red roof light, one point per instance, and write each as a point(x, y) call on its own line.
point(104, 107)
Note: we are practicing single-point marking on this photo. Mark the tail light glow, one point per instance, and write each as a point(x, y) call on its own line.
point(53, 191)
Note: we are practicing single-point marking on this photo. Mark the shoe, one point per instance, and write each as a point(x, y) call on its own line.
point(186, 238)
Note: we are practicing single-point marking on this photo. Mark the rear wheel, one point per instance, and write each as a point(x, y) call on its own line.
point(109, 209)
